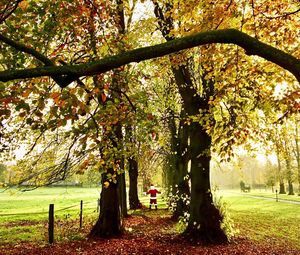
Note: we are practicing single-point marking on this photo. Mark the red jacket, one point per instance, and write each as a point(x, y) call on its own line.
point(153, 192)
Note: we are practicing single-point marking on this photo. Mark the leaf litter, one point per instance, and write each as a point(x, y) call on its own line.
point(151, 234)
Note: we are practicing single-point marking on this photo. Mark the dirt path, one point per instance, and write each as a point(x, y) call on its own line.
point(147, 234)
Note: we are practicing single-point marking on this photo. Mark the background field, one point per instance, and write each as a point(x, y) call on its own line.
point(23, 215)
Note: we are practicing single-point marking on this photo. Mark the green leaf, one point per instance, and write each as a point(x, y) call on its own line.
point(22, 105)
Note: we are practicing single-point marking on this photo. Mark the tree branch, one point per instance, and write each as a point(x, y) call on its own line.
point(225, 36)
point(284, 15)
point(61, 81)
point(23, 48)
point(8, 10)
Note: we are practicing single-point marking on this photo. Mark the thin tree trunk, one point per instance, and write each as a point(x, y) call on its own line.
point(134, 202)
point(281, 183)
point(297, 155)
point(121, 184)
point(291, 188)
point(289, 177)
point(289, 173)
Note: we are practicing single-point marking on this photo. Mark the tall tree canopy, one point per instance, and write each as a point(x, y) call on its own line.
point(69, 77)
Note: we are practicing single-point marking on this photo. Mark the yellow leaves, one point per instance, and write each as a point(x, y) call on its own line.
point(106, 184)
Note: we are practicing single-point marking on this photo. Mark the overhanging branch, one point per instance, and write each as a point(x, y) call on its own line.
point(23, 48)
point(251, 45)
point(62, 81)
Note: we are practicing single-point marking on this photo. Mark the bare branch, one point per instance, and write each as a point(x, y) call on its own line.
point(284, 15)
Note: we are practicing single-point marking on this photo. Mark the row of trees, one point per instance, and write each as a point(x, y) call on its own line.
point(71, 85)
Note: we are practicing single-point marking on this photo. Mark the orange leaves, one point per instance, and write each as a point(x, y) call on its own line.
point(8, 100)
point(83, 166)
point(103, 94)
point(103, 97)
point(26, 93)
point(55, 96)
point(23, 5)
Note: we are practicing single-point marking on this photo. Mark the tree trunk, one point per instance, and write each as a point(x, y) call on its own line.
point(183, 191)
point(181, 172)
point(205, 218)
point(134, 202)
point(289, 174)
point(297, 154)
point(202, 210)
point(172, 157)
point(281, 188)
point(109, 221)
point(291, 188)
point(289, 177)
point(121, 186)
point(281, 183)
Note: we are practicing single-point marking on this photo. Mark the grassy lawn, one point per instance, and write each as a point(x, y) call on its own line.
point(23, 216)
point(268, 194)
point(34, 205)
point(264, 220)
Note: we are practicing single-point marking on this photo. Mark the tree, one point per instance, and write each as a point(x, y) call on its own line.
point(2, 173)
point(297, 152)
point(72, 103)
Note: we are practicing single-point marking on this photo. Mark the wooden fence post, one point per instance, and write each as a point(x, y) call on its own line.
point(80, 215)
point(51, 223)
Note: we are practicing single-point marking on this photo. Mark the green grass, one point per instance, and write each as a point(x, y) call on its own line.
point(23, 216)
point(264, 220)
point(34, 205)
point(268, 194)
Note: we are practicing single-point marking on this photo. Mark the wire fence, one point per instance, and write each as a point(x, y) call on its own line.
point(51, 213)
point(46, 212)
